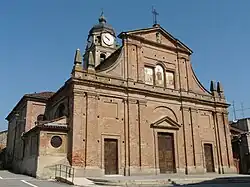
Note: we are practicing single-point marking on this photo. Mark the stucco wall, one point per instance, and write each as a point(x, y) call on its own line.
point(16, 127)
point(34, 109)
point(50, 156)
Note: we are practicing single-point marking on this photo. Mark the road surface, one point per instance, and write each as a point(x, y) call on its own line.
point(8, 179)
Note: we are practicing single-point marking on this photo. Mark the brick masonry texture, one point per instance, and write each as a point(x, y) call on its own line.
point(112, 101)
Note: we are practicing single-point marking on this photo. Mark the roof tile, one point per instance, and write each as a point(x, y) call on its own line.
point(40, 95)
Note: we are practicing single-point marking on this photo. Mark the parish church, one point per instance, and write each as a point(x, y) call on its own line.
point(131, 109)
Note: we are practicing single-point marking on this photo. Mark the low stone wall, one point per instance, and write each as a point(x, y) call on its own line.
point(46, 165)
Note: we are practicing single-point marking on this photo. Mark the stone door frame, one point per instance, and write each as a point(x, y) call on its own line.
point(118, 138)
point(165, 125)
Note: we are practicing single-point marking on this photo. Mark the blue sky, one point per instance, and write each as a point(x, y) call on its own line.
point(38, 40)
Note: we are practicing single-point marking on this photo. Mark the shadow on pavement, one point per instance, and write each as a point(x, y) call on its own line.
point(2, 159)
point(222, 180)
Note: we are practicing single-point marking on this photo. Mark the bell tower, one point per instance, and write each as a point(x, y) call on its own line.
point(101, 43)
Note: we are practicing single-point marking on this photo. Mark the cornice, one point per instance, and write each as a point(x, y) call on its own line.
point(153, 43)
point(127, 89)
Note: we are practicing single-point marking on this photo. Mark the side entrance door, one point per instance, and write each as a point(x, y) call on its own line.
point(110, 156)
point(208, 149)
point(166, 152)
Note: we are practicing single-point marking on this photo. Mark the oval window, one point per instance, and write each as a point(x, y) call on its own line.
point(56, 141)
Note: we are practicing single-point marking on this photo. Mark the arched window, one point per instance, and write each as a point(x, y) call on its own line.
point(60, 111)
point(159, 75)
point(102, 57)
point(40, 117)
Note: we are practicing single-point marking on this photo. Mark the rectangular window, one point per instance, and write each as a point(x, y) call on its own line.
point(170, 79)
point(149, 75)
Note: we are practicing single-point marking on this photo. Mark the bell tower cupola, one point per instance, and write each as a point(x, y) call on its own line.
point(101, 42)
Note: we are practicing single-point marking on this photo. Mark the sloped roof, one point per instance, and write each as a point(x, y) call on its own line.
point(235, 130)
point(41, 95)
point(50, 125)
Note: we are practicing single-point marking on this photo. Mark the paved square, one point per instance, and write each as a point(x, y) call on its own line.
point(9, 179)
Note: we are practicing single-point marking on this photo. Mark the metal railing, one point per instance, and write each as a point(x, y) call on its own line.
point(65, 172)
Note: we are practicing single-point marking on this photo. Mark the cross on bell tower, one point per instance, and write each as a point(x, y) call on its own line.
point(155, 14)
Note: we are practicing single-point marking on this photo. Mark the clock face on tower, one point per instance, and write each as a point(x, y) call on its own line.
point(108, 39)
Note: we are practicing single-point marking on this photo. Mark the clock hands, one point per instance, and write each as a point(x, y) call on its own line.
point(107, 38)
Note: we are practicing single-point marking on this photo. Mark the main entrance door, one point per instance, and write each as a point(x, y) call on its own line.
point(111, 156)
point(208, 149)
point(166, 152)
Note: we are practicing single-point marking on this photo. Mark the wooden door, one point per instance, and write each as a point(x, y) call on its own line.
point(208, 149)
point(110, 156)
point(166, 152)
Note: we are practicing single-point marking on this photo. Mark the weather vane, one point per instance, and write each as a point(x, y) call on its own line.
point(155, 14)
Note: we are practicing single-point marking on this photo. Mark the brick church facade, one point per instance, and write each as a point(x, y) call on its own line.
point(132, 109)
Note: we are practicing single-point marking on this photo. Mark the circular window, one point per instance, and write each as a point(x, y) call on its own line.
point(56, 141)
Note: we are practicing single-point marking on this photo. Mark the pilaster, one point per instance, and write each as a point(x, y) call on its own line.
point(188, 141)
point(93, 161)
point(221, 141)
point(217, 143)
point(78, 128)
point(231, 167)
point(140, 64)
point(182, 73)
point(196, 139)
point(134, 136)
point(126, 137)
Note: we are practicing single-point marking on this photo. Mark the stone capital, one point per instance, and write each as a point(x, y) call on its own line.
point(79, 93)
point(194, 110)
point(225, 112)
point(180, 57)
point(185, 108)
point(91, 95)
point(132, 101)
point(142, 102)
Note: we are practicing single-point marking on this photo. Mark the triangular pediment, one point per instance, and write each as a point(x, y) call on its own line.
point(158, 35)
point(166, 123)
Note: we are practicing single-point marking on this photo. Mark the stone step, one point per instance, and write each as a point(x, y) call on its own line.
point(170, 182)
point(157, 180)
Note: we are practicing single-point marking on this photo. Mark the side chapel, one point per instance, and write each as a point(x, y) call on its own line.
point(132, 109)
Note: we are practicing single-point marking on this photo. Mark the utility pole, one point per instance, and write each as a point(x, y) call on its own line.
point(234, 112)
point(242, 110)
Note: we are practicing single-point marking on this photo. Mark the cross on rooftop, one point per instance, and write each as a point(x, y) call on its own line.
point(155, 14)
